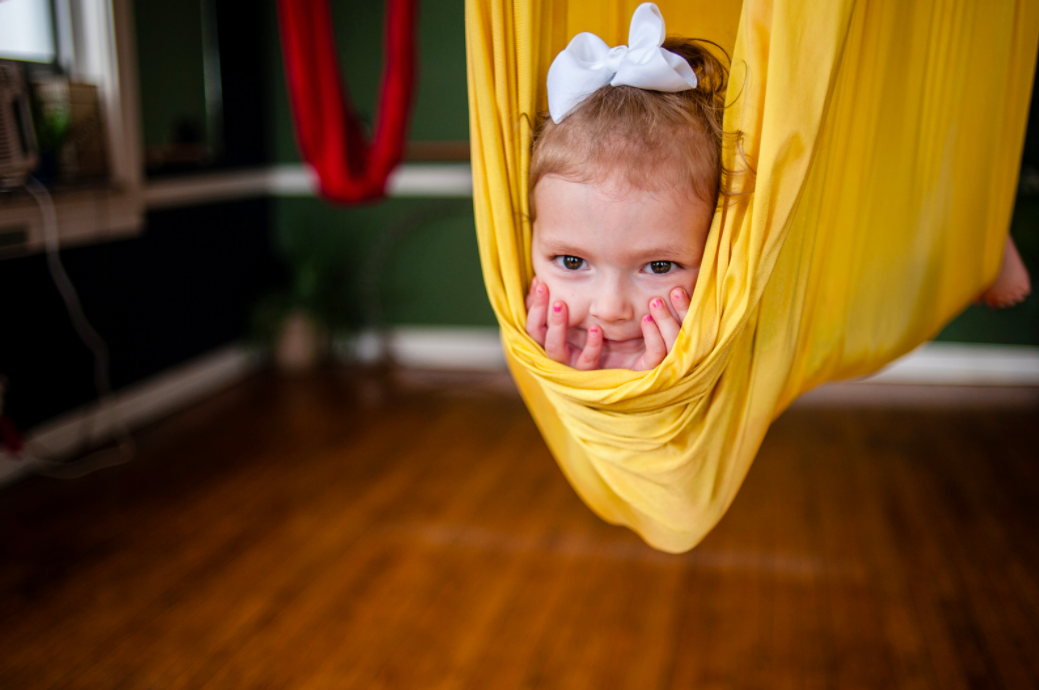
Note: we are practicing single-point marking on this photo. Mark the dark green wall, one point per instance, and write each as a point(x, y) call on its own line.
point(169, 51)
point(430, 276)
point(441, 100)
point(433, 273)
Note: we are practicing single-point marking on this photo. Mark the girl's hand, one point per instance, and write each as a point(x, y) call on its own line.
point(548, 326)
point(660, 329)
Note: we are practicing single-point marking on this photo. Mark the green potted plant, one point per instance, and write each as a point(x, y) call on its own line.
point(51, 120)
point(298, 320)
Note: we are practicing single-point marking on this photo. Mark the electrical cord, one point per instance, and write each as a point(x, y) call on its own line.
point(125, 446)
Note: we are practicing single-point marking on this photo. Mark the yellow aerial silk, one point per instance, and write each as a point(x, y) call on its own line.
point(885, 137)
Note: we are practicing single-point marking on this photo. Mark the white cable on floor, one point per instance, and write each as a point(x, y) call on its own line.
point(92, 339)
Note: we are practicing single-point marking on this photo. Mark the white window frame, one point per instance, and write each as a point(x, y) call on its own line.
point(103, 53)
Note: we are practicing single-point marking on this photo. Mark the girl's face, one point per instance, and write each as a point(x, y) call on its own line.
point(606, 249)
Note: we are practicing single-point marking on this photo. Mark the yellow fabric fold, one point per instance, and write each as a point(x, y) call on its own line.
point(885, 139)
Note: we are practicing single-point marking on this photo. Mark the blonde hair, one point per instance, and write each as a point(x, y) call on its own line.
point(646, 136)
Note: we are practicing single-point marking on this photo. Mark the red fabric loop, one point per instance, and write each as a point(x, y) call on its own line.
point(329, 135)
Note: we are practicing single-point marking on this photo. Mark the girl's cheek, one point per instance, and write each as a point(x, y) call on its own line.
point(575, 311)
point(577, 305)
point(561, 292)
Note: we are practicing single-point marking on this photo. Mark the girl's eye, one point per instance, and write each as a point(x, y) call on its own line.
point(571, 263)
point(660, 266)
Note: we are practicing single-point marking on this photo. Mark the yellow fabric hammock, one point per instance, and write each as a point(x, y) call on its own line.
point(885, 137)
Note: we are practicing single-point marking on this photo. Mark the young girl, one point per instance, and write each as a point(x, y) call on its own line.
point(625, 177)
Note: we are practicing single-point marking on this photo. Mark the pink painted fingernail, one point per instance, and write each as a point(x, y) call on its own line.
point(648, 319)
point(593, 329)
point(541, 289)
point(558, 306)
point(658, 303)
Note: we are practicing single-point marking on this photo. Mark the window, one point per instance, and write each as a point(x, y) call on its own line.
point(90, 41)
point(27, 31)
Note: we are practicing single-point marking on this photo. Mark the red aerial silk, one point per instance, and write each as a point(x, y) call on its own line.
point(330, 137)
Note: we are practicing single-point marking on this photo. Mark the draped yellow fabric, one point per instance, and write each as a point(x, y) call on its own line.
point(885, 138)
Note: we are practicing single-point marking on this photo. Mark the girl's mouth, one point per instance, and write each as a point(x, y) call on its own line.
point(628, 344)
point(579, 336)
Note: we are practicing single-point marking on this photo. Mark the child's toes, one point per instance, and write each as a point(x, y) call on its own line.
point(1012, 285)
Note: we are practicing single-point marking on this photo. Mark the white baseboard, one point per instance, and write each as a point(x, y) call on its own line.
point(471, 348)
point(479, 348)
point(962, 364)
point(135, 405)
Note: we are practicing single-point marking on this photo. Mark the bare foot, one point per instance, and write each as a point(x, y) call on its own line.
point(1012, 284)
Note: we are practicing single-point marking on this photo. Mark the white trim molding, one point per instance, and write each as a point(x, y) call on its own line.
point(962, 364)
point(432, 179)
point(205, 188)
point(133, 407)
point(479, 348)
point(110, 213)
point(409, 180)
point(106, 54)
point(289, 180)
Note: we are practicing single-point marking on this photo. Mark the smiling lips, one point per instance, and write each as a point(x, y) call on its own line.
point(634, 343)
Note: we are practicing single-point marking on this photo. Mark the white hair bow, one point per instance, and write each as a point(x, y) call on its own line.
point(588, 64)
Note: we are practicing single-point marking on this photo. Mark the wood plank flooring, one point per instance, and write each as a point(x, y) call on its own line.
point(347, 531)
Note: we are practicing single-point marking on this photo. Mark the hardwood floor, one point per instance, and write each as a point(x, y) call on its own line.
point(344, 532)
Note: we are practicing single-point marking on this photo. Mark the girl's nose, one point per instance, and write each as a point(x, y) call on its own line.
point(610, 304)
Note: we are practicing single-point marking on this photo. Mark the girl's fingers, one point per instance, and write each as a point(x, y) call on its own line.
point(589, 358)
point(530, 293)
point(680, 301)
point(537, 312)
point(665, 321)
point(555, 335)
point(656, 350)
